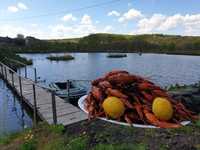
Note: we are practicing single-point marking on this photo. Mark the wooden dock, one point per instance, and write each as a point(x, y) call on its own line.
point(44, 103)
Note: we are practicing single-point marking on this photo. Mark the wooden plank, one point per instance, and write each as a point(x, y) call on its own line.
point(60, 112)
point(49, 106)
point(70, 118)
point(59, 108)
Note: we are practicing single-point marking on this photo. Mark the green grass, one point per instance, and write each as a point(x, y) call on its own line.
point(185, 129)
point(163, 147)
point(8, 138)
point(197, 123)
point(29, 145)
point(78, 143)
point(58, 129)
point(139, 146)
point(149, 132)
point(110, 137)
point(57, 144)
point(13, 60)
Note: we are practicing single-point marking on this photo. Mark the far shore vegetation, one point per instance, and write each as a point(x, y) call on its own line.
point(60, 58)
point(109, 43)
point(117, 43)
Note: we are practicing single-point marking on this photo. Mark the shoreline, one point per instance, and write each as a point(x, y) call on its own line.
point(164, 53)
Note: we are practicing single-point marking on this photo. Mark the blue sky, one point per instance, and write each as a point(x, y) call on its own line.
point(123, 16)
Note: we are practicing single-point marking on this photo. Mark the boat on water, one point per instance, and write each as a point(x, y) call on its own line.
point(69, 90)
point(116, 55)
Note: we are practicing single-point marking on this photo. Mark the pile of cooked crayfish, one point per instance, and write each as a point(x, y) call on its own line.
point(137, 93)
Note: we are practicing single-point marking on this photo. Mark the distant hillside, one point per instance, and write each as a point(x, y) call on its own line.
point(155, 43)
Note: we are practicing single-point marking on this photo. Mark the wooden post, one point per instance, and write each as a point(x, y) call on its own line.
point(35, 107)
point(13, 84)
point(68, 86)
point(1, 70)
point(20, 86)
point(19, 71)
point(35, 74)
point(54, 107)
point(25, 69)
point(5, 73)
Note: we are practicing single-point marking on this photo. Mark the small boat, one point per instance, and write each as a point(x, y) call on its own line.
point(74, 92)
point(116, 55)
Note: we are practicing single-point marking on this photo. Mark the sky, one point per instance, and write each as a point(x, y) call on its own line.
point(58, 19)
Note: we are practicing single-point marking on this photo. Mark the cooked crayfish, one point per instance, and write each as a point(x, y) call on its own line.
point(137, 94)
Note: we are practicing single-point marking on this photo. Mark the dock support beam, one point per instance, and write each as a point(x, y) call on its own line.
point(68, 86)
point(19, 72)
point(35, 74)
point(54, 107)
point(20, 87)
point(35, 107)
point(1, 70)
point(25, 70)
point(13, 84)
point(5, 73)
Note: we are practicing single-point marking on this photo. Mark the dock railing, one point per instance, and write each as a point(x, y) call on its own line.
point(24, 66)
point(6, 72)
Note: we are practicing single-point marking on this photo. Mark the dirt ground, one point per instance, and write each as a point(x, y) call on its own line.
point(98, 131)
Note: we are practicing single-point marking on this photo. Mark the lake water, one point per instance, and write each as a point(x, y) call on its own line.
point(13, 117)
point(160, 68)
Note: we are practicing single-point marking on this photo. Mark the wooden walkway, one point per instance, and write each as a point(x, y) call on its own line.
point(49, 108)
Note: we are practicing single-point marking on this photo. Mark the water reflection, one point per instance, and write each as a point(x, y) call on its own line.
point(13, 116)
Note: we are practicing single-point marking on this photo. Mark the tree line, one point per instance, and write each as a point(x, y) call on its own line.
point(155, 43)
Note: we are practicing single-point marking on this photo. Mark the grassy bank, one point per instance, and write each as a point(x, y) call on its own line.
point(6, 56)
point(60, 58)
point(101, 135)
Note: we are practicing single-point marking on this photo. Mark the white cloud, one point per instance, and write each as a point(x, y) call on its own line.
point(15, 8)
point(114, 13)
point(171, 22)
point(69, 17)
point(190, 24)
point(64, 31)
point(84, 27)
point(34, 25)
point(130, 15)
point(86, 20)
point(13, 30)
point(22, 6)
point(147, 25)
point(60, 31)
